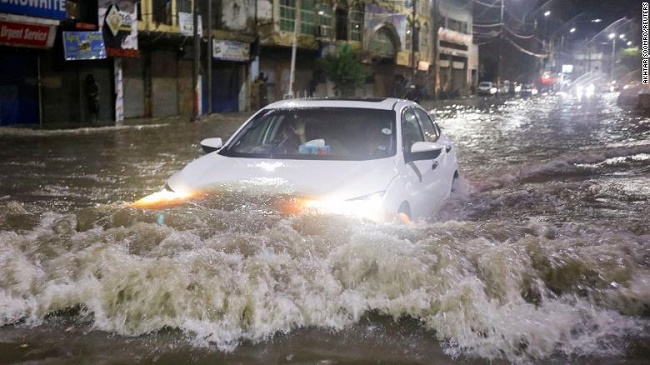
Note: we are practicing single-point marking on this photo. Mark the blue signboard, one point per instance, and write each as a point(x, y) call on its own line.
point(53, 9)
point(83, 45)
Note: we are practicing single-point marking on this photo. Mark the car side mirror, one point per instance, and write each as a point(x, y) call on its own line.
point(211, 144)
point(424, 151)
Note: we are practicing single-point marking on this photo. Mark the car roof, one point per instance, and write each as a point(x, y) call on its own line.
point(365, 103)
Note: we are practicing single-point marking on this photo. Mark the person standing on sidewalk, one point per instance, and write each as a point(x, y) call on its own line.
point(260, 86)
point(91, 90)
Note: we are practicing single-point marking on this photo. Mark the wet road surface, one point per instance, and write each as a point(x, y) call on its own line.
point(542, 256)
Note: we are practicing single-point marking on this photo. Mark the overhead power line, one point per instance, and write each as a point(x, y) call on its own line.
point(495, 5)
point(523, 50)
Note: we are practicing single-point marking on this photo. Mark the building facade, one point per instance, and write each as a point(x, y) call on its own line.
point(154, 58)
point(27, 34)
point(457, 57)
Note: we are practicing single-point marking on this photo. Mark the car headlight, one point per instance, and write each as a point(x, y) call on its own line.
point(367, 206)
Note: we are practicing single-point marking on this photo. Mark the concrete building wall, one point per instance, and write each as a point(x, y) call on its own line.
point(276, 65)
point(164, 86)
point(238, 14)
point(134, 88)
point(62, 92)
point(185, 88)
point(454, 42)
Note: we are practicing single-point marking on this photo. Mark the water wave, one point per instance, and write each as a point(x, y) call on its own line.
point(221, 277)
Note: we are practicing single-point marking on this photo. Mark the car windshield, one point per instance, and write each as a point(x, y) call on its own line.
point(316, 133)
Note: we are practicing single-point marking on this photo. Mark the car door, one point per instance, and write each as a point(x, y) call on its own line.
point(424, 184)
point(445, 163)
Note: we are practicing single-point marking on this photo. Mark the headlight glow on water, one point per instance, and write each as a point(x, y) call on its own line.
point(163, 199)
point(369, 206)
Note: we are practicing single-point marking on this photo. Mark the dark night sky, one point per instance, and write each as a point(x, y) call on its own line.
point(607, 10)
point(565, 14)
point(578, 12)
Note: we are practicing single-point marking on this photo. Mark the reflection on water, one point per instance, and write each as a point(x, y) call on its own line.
point(542, 255)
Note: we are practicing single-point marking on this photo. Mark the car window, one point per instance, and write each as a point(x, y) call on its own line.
point(411, 131)
point(431, 131)
point(316, 133)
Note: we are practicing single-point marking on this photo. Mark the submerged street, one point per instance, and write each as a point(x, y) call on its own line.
point(541, 256)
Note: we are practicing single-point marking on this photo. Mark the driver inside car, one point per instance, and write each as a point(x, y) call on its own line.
point(292, 135)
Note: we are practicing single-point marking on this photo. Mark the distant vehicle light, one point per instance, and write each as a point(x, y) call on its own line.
point(585, 91)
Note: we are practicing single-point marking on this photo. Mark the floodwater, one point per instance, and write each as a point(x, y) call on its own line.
point(542, 256)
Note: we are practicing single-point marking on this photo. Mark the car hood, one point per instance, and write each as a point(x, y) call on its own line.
point(323, 178)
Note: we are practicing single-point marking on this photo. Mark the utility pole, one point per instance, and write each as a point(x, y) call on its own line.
point(197, 64)
point(208, 58)
point(613, 61)
point(436, 42)
point(413, 40)
point(589, 56)
point(500, 45)
point(296, 31)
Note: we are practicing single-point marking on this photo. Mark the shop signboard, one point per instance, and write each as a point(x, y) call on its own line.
point(51, 9)
point(118, 23)
point(83, 46)
point(186, 24)
point(26, 35)
point(230, 50)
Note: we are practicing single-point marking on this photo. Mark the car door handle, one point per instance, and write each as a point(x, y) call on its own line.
point(434, 165)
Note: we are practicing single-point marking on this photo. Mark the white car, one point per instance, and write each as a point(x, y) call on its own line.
point(375, 158)
point(486, 88)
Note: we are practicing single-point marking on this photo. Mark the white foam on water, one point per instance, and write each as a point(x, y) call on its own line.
point(526, 293)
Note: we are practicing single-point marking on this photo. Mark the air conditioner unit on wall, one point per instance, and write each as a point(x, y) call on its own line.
point(324, 31)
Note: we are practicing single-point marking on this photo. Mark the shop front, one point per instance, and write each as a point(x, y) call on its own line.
point(230, 61)
point(23, 39)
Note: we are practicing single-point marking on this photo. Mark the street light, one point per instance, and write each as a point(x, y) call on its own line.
point(556, 40)
point(500, 44)
point(612, 36)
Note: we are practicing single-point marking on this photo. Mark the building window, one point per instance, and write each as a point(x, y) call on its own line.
point(424, 40)
point(325, 19)
point(325, 14)
point(341, 24)
point(383, 44)
point(82, 11)
point(458, 26)
point(184, 6)
point(356, 23)
point(287, 15)
point(72, 12)
point(416, 38)
point(408, 40)
point(307, 17)
point(162, 11)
